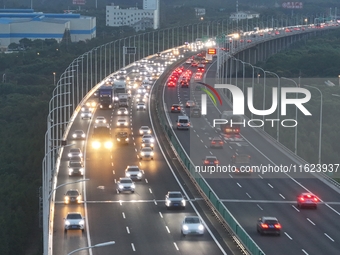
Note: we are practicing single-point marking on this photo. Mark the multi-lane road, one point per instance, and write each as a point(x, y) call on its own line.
point(139, 223)
point(250, 197)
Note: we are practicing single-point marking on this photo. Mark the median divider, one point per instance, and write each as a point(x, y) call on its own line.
point(240, 236)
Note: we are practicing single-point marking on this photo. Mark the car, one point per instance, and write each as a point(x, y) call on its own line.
point(75, 167)
point(86, 114)
point(89, 105)
point(75, 152)
point(74, 220)
point(188, 61)
point(122, 137)
point(194, 64)
point(210, 161)
point(189, 104)
point(134, 173)
point(216, 142)
point(141, 106)
point(72, 196)
point(77, 159)
point(100, 120)
point(268, 225)
point(307, 200)
point(147, 144)
point(122, 122)
point(171, 83)
point(125, 184)
point(144, 130)
point(176, 108)
point(148, 138)
point(141, 90)
point(122, 111)
point(184, 83)
point(174, 199)
point(146, 153)
point(79, 135)
point(192, 225)
point(195, 112)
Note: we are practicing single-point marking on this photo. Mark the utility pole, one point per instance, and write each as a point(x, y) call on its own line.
point(237, 14)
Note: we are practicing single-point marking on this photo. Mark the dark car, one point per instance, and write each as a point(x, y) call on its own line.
point(216, 142)
point(175, 108)
point(72, 196)
point(307, 200)
point(268, 225)
point(210, 161)
point(196, 112)
point(122, 137)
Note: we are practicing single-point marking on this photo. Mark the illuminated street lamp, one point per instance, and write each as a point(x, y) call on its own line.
point(54, 78)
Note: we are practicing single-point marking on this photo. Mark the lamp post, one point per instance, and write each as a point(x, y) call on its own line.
point(295, 143)
point(278, 104)
point(320, 130)
point(93, 246)
point(339, 79)
point(54, 78)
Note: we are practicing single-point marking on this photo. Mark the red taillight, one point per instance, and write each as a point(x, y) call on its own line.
point(179, 108)
point(221, 142)
point(277, 225)
point(213, 142)
point(172, 108)
point(263, 225)
point(206, 162)
point(302, 199)
point(216, 162)
point(315, 199)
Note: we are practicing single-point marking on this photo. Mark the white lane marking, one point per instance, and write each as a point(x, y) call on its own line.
point(160, 214)
point(270, 185)
point(120, 202)
point(211, 153)
point(112, 164)
point(113, 172)
point(329, 237)
point(231, 176)
point(150, 190)
point(167, 229)
point(115, 180)
point(248, 195)
point(288, 236)
point(146, 180)
point(304, 252)
point(238, 184)
point(260, 176)
point(123, 215)
point(176, 246)
point(128, 230)
point(311, 221)
point(206, 146)
point(295, 208)
point(133, 247)
point(230, 147)
point(155, 201)
point(282, 196)
point(202, 141)
point(259, 207)
point(135, 150)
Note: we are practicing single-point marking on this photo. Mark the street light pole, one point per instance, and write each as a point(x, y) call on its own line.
point(320, 133)
point(93, 246)
point(295, 143)
point(278, 104)
point(54, 78)
point(339, 79)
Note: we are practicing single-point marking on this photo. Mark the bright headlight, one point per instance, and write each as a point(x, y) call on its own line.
point(81, 222)
point(67, 223)
point(151, 153)
point(96, 145)
point(119, 112)
point(183, 202)
point(126, 139)
point(67, 198)
point(133, 186)
point(125, 124)
point(139, 174)
point(83, 135)
point(118, 139)
point(108, 145)
point(74, 135)
point(149, 131)
point(200, 227)
point(120, 186)
point(185, 227)
point(142, 153)
point(141, 131)
point(78, 198)
point(69, 155)
point(152, 140)
point(127, 174)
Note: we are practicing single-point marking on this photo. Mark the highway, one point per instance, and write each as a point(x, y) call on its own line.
point(139, 223)
point(250, 197)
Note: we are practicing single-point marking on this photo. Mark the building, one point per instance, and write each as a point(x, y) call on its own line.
point(139, 19)
point(244, 15)
point(16, 24)
point(199, 11)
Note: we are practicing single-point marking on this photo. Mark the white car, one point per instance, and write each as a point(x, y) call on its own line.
point(122, 111)
point(86, 114)
point(100, 120)
point(75, 167)
point(135, 70)
point(75, 152)
point(148, 139)
point(141, 90)
point(122, 122)
point(141, 106)
point(144, 130)
point(134, 173)
point(79, 134)
point(74, 220)
point(146, 153)
point(174, 199)
point(192, 225)
point(125, 184)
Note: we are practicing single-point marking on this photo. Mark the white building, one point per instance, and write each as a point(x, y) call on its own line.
point(199, 11)
point(244, 15)
point(16, 24)
point(139, 19)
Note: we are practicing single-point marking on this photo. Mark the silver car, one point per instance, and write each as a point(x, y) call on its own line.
point(100, 120)
point(146, 153)
point(141, 106)
point(144, 130)
point(192, 225)
point(86, 114)
point(75, 152)
point(148, 138)
point(75, 167)
point(174, 199)
point(72, 196)
point(134, 173)
point(74, 220)
point(122, 111)
point(125, 184)
point(122, 122)
point(79, 134)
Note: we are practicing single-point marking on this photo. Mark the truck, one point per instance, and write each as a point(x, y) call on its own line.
point(234, 122)
point(123, 100)
point(106, 96)
point(101, 138)
point(241, 164)
point(119, 86)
